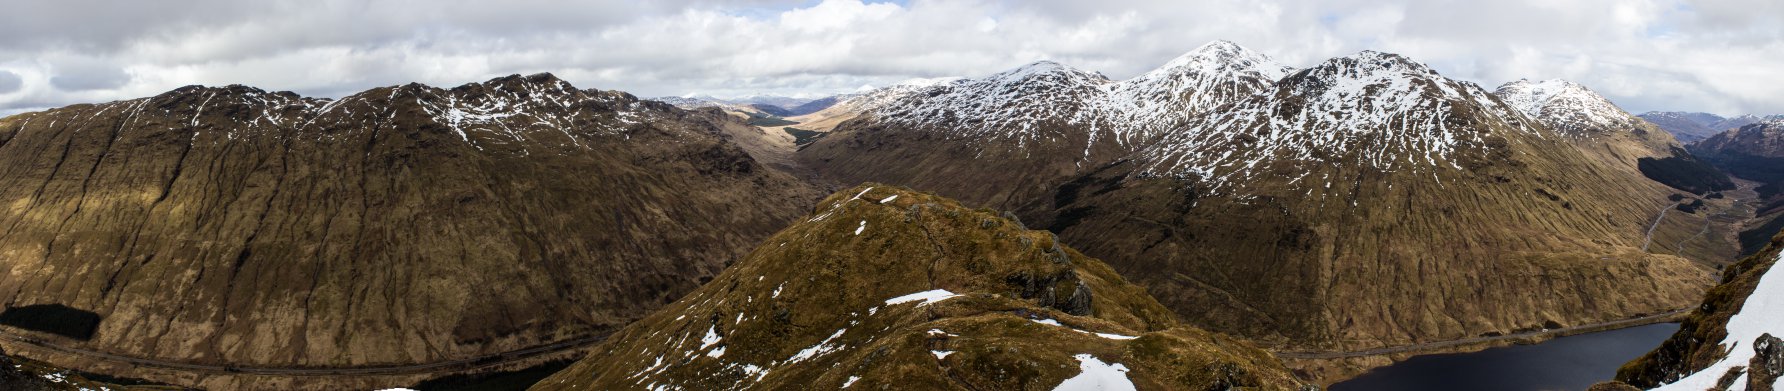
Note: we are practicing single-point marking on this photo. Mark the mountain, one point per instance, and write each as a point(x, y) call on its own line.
point(1692, 127)
point(1602, 129)
point(1731, 341)
point(1368, 201)
point(1010, 138)
point(887, 288)
point(849, 106)
point(401, 225)
point(1688, 127)
point(1753, 152)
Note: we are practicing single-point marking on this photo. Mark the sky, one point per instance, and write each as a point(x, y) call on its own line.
point(1718, 56)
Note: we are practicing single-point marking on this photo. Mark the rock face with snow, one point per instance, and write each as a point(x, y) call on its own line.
point(1009, 138)
point(883, 287)
point(1730, 341)
point(400, 225)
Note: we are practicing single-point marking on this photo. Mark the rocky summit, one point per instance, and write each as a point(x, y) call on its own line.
point(405, 225)
point(881, 287)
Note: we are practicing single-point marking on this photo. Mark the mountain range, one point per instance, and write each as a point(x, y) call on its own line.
point(1273, 202)
point(1035, 228)
point(1692, 127)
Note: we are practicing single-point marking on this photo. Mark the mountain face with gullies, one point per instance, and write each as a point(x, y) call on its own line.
point(1602, 129)
point(1009, 138)
point(882, 287)
point(1369, 201)
point(1366, 201)
point(400, 225)
point(1729, 342)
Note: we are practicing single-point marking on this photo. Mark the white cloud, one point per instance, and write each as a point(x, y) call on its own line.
point(1645, 54)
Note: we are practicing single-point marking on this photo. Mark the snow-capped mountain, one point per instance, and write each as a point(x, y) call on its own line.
point(1213, 75)
point(1566, 106)
point(1373, 109)
point(1022, 103)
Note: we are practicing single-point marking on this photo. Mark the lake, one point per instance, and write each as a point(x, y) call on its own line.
point(1566, 363)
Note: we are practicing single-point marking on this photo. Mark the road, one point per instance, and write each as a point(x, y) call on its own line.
point(1560, 332)
point(375, 370)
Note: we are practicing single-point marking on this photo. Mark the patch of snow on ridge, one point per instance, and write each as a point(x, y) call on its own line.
point(927, 297)
point(1095, 375)
point(1762, 313)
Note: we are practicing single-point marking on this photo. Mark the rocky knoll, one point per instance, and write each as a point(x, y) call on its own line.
point(399, 225)
point(887, 288)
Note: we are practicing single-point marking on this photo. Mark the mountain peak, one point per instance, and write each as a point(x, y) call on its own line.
point(1222, 57)
point(1564, 105)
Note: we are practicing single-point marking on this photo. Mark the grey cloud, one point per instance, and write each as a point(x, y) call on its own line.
point(10, 82)
point(89, 76)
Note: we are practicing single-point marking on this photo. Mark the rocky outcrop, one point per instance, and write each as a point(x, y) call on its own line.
point(1729, 339)
point(887, 288)
point(400, 225)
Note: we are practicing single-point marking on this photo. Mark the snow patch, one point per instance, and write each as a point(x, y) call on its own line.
point(1095, 375)
point(929, 296)
point(850, 382)
point(941, 354)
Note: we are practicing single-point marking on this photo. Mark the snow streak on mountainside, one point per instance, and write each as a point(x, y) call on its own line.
point(1565, 106)
point(1375, 109)
point(1019, 104)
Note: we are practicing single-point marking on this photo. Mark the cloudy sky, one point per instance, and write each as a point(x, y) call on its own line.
point(1720, 56)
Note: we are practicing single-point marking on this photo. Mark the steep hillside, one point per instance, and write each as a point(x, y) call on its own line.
point(401, 225)
point(1603, 130)
point(886, 288)
point(1369, 201)
point(1731, 341)
point(1009, 139)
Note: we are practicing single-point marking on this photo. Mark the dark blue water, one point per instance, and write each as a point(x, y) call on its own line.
point(1566, 363)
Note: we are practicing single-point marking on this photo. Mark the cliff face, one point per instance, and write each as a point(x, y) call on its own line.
point(399, 225)
point(887, 288)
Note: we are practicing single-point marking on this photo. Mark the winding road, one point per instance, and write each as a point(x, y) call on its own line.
point(409, 369)
point(1560, 332)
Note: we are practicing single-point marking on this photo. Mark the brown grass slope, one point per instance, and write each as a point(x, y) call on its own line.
point(231, 225)
point(808, 309)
